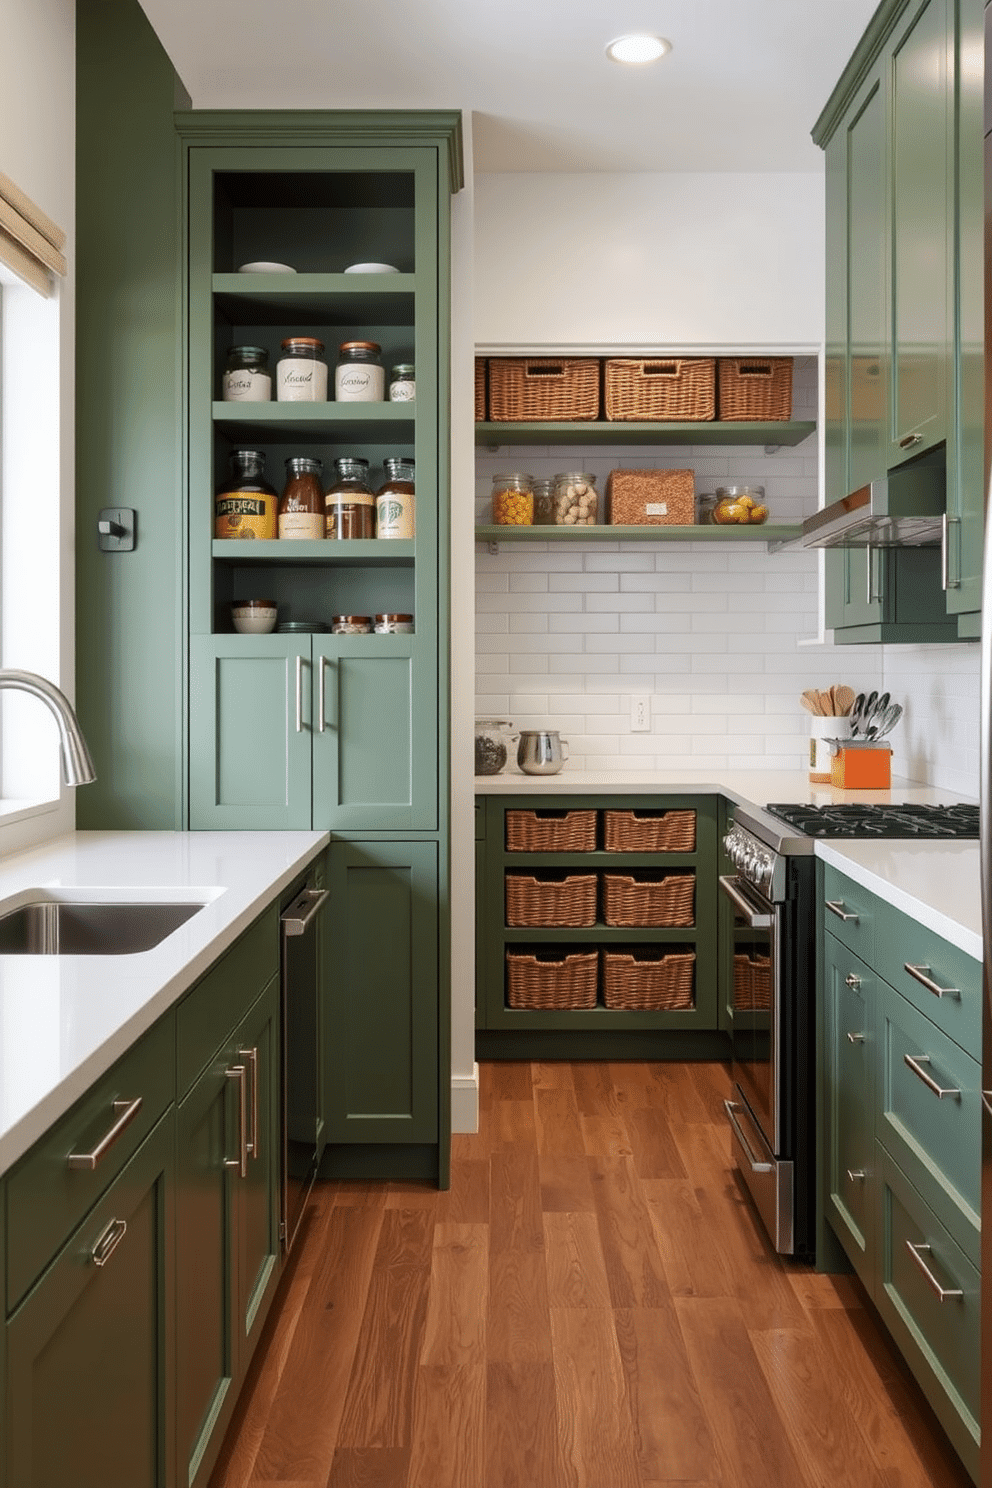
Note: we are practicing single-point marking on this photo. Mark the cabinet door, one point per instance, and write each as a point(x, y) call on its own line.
point(849, 1112)
point(921, 80)
point(867, 240)
point(249, 732)
point(375, 742)
point(381, 991)
point(257, 1048)
point(90, 1349)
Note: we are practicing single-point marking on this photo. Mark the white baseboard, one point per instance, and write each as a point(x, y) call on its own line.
point(465, 1101)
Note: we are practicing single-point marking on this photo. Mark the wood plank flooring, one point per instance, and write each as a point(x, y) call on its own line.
point(591, 1305)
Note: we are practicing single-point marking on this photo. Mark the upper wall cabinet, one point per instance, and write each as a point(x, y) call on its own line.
point(903, 140)
point(324, 730)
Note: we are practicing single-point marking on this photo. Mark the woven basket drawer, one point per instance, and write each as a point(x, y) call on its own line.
point(644, 901)
point(676, 389)
point(551, 980)
point(651, 498)
point(644, 980)
point(649, 831)
point(752, 983)
point(480, 389)
point(539, 389)
point(551, 831)
point(543, 902)
point(755, 388)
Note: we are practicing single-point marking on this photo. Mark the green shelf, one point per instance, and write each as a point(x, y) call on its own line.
point(783, 432)
point(331, 553)
point(285, 423)
point(318, 299)
point(766, 532)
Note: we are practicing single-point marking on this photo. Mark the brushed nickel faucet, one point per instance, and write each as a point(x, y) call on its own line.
point(77, 764)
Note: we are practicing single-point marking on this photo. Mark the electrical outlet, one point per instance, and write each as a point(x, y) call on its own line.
point(640, 712)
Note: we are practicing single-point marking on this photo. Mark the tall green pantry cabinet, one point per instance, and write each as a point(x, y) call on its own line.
point(345, 733)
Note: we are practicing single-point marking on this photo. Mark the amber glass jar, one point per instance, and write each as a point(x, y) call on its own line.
point(394, 502)
point(301, 505)
point(245, 506)
point(349, 505)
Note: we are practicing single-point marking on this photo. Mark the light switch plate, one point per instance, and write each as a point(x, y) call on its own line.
point(117, 529)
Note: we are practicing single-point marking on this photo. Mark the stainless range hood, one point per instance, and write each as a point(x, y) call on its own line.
point(902, 509)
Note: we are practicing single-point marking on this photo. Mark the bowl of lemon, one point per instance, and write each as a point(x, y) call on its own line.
point(739, 506)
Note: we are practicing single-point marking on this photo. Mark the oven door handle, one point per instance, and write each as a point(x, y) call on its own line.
point(756, 1165)
point(755, 919)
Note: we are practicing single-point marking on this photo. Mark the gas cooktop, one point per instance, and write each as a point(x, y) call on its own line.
point(906, 821)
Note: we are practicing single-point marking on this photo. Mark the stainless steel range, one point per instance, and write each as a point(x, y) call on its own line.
point(772, 889)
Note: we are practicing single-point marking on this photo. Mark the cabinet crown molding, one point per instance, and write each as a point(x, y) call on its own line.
point(863, 58)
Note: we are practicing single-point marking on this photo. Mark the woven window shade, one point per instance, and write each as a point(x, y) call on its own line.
point(30, 242)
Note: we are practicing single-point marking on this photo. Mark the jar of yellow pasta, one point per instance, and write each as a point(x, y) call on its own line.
point(513, 500)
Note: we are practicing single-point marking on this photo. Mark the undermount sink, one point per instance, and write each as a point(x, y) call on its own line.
point(58, 927)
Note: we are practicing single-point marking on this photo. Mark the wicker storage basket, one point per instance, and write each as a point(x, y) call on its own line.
point(643, 980)
point(649, 831)
point(651, 498)
point(649, 901)
point(551, 831)
point(752, 983)
point(540, 901)
point(548, 979)
point(674, 389)
point(755, 388)
point(480, 389)
point(534, 389)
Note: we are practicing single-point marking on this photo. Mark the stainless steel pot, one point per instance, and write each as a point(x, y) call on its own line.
point(541, 751)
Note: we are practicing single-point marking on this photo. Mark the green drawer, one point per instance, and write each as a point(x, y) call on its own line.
point(849, 912)
point(903, 942)
point(850, 994)
point(940, 1339)
point(208, 1013)
point(46, 1198)
point(935, 1139)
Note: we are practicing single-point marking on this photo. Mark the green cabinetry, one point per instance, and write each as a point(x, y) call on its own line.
point(900, 1108)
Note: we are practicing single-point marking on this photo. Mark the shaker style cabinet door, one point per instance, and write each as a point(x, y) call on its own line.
point(249, 732)
point(849, 1133)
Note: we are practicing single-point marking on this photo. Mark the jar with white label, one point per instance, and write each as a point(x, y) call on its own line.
point(247, 378)
point(301, 505)
point(359, 375)
point(402, 384)
point(349, 505)
point(301, 371)
point(351, 624)
point(394, 624)
point(394, 502)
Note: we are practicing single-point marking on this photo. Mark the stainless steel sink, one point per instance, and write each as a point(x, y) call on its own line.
point(59, 928)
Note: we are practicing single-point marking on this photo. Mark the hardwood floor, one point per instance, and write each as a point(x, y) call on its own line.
point(591, 1305)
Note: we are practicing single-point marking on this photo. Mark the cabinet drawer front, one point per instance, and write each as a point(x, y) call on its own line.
point(209, 1012)
point(46, 1198)
point(849, 912)
point(850, 994)
point(902, 942)
point(939, 1338)
point(934, 1135)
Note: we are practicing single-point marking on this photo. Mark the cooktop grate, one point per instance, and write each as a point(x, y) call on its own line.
point(906, 821)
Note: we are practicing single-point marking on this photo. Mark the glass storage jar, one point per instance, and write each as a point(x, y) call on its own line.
point(247, 378)
point(492, 740)
point(544, 502)
point(576, 499)
point(402, 384)
point(351, 624)
point(394, 501)
point(394, 624)
point(513, 500)
point(301, 372)
point(740, 505)
point(349, 506)
point(301, 505)
point(359, 376)
point(246, 506)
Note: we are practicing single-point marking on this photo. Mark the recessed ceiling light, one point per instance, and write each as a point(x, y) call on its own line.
point(638, 49)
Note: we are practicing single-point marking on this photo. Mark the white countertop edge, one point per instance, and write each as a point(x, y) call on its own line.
point(239, 909)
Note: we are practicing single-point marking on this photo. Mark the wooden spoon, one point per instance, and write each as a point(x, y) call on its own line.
point(844, 697)
point(826, 706)
point(810, 700)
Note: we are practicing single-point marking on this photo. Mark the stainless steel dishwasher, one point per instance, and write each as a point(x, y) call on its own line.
point(302, 1123)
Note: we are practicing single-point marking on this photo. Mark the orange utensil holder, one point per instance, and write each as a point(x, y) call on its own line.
point(861, 769)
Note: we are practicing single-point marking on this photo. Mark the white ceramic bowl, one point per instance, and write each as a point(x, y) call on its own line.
point(253, 620)
point(371, 268)
point(264, 267)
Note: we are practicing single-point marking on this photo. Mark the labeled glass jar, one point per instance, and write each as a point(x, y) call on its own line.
point(349, 505)
point(301, 505)
point(394, 501)
point(402, 384)
point(576, 499)
point(394, 624)
point(246, 506)
point(740, 506)
point(544, 502)
point(247, 378)
point(301, 371)
point(513, 500)
point(351, 624)
point(705, 505)
point(359, 375)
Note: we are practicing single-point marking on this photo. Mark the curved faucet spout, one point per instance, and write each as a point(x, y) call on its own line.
point(77, 765)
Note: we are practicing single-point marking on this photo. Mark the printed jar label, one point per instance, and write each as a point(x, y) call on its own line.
point(300, 381)
point(248, 515)
point(402, 391)
point(355, 384)
point(301, 524)
point(244, 386)
point(394, 516)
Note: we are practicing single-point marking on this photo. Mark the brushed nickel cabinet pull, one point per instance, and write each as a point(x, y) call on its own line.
point(909, 440)
point(836, 907)
point(299, 694)
point(108, 1242)
point(237, 1072)
point(924, 975)
point(250, 1057)
point(987, 1100)
point(855, 1038)
point(942, 1293)
point(915, 1064)
point(321, 689)
point(851, 980)
point(126, 1111)
point(857, 1175)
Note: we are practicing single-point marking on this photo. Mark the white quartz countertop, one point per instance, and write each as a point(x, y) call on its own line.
point(64, 1020)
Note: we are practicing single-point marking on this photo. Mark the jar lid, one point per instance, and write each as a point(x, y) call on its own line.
point(248, 351)
point(513, 475)
point(372, 346)
point(247, 454)
point(352, 462)
point(303, 465)
point(351, 619)
point(397, 619)
point(309, 343)
point(740, 490)
point(576, 475)
point(403, 369)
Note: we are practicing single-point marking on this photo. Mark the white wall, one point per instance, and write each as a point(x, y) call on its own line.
point(37, 127)
point(937, 738)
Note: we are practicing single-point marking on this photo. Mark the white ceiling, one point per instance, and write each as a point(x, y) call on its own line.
point(740, 90)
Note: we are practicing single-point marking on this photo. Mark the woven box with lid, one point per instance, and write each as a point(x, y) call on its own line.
point(643, 980)
point(549, 979)
point(647, 899)
point(539, 389)
point(649, 389)
point(755, 388)
point(651, 498)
